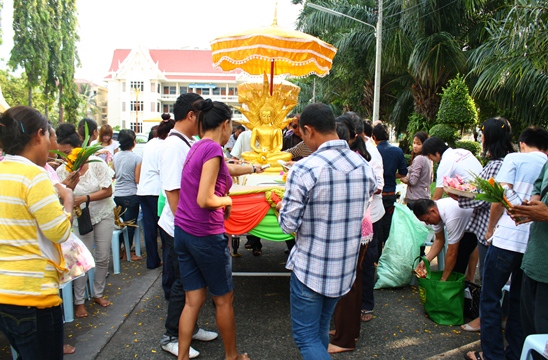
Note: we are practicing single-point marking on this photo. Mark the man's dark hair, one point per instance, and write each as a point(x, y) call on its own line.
point(318, 116)
point(536, 137)
point(368, 128)
point(380, 132)
point(183, 105)
point(422, 206)
point(239, 128)
point(434, 145)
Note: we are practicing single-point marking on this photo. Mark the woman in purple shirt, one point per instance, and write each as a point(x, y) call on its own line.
point(202, 247)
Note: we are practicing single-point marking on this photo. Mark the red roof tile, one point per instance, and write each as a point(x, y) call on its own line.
point(173, 61)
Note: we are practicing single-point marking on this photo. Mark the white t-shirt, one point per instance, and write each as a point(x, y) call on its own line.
point(111, 148)
point(243, 144)
point(457, 162)
point(521, 170)
point(171, 160)
point(377, 209)
point(149, 182)
point(454, 218)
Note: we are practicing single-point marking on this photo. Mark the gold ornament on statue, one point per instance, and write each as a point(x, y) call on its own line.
point(266, 114)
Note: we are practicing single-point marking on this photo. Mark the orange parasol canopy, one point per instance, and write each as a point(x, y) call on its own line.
point(282, 51)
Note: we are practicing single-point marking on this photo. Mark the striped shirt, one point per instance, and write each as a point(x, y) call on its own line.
point(326, 194)
point(482, 209)
point(30, 214)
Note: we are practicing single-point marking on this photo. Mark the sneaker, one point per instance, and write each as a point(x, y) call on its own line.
point(171, 345)
point(204, 335)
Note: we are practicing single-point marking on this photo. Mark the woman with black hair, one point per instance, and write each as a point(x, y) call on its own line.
point(497, 143)
point(33, 223)
point(200, 241)
point(127, 166)
point(95, 189)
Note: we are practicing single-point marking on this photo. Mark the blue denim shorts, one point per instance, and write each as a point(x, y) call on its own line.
point(204, 261)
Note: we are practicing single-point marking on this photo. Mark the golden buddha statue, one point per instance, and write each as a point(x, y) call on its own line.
point(266, 114)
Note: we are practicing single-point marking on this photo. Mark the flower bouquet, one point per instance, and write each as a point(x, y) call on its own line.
point(80, 156)
point(493, 192)
point(458, 186)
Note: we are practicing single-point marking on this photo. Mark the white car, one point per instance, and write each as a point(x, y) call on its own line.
point(141, 140)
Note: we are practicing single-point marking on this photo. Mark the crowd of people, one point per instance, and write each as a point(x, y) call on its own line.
point(339, 203)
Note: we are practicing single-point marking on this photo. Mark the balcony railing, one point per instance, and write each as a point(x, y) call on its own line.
point(223, 98)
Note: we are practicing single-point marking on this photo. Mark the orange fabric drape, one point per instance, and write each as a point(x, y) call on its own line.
point(247, 211)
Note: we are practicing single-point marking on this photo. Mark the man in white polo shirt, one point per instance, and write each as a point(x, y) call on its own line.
point(451, 162)
point(460, 243)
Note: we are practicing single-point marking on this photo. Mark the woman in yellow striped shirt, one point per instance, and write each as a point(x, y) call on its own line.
point(32, 224)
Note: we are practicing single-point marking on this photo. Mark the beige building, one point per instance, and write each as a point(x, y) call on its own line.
point(143, 84)
point(96, 100)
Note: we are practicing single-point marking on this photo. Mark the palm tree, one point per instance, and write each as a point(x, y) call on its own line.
point(424, 46)
point(512, 65)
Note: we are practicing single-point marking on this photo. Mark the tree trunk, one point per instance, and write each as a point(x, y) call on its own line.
point(46, 107)
point(30, 95)
point(61, 110)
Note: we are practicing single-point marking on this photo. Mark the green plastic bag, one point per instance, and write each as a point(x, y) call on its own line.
point(443, 300)
point(407, 234)
point(161, 203)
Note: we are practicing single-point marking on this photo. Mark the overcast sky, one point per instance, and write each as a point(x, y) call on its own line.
point(105, 25)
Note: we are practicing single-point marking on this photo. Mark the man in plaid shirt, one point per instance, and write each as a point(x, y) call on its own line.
point(326, 194)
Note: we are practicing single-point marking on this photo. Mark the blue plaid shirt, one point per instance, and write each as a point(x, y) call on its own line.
point(326, 194)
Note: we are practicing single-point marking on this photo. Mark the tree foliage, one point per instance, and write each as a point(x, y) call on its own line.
point(45, 47)
point(512, 64)
point(30, 40)
point(445, 132)
point(457, 108)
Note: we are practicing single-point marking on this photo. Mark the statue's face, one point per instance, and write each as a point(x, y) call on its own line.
point(265, 116)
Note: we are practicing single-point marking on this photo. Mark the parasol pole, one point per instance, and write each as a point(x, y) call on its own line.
point(274, 23)
point(271, 76)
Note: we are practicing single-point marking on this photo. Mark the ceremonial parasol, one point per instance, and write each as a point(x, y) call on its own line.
point(283, 51)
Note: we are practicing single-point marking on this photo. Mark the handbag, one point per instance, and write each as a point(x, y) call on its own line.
point(443, 300)
point(84, 220)
point(472, 294)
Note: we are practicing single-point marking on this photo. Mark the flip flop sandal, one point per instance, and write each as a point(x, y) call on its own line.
point(366, 315)
point(477, 356)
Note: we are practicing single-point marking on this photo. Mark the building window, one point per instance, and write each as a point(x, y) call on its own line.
point(152, 106)
point(157, 107)
point(232, 91)
point(223, 91)
point(168, 108)
point(183, 90)
point(123, 106)
point(138, 128)
point(170, 90)
point(136, 106)
point(123, 86)
point(139, 85)
point(216, 91)
point(152, 87)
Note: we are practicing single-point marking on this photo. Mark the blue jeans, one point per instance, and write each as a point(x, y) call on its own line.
point(499, 265)
point(34, 333)
point(129, 204)
point(149, 206)
point(310, 316)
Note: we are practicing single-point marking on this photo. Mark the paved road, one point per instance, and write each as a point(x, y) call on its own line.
point(133, 325)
